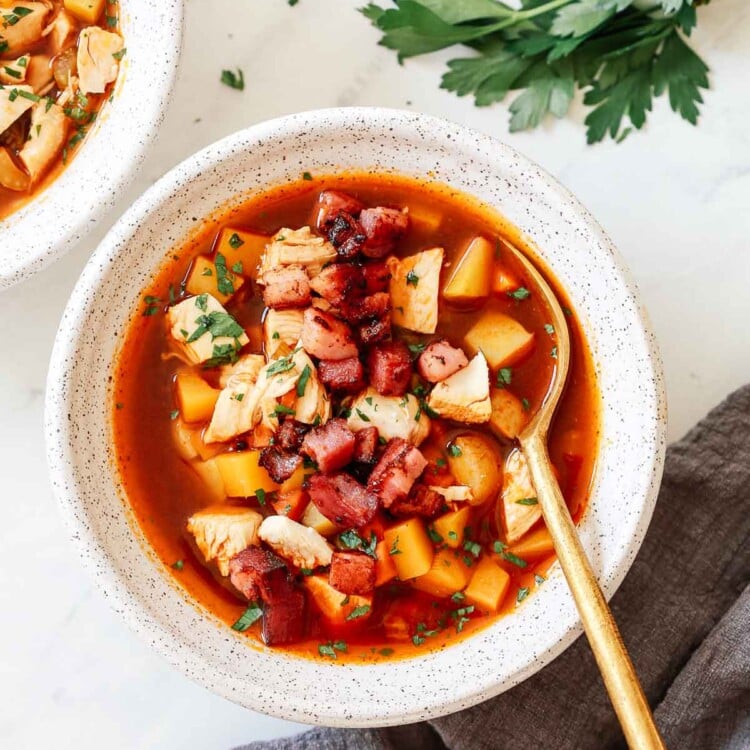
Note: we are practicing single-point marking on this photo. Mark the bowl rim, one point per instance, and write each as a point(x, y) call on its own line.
point(28, 227)
point(60, 464)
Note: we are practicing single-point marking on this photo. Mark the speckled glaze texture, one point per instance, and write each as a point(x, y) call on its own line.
point(571, 244)
point(62, 214)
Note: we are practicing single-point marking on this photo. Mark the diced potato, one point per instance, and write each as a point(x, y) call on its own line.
point(242, 246)
point(203, 279)
point(465, 395)
point(222, 531)
point(295, 481)
point(410, 548)
point(475, 460)
point(471, 277)
point(424, 219)
point(502, 339)
point(508, 415)
point(242, 474)
point(385, 568)
point(87, 11)
point(452, 526)
point(414, 287)
point(183, 319)
point(488, 586)
point(208, 471)
point(394, 416)
point(334, 606)
point(504, 281)
point(518, 514)
point(534, 545)
point(313, 518)
point(447, 575)
point(196, 398)
point(12, 177)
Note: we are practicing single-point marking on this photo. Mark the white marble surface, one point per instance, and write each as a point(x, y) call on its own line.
point(675, 200)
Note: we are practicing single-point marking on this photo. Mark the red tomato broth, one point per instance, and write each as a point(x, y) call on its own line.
point(163, 491)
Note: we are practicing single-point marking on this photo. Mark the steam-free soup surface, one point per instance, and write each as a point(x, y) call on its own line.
point(315, 409)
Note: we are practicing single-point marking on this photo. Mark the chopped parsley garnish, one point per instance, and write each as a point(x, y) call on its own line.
point(174, 414)
point(303, 380)
point(458, 596)
point(382, 651)
point(233, 80)
point(460, 616)
point(454, 450)
point(412, 278)
point(452, 536)
point(352, 540)
point(251, 615)
point(238, 396)
point(276, 335)
point(473, 548)
point(218, 324)
point(207, 272)
point(178, 565)
point(223, 354)
point(152, 305)
point(539, 580)
point(237, 267)
point(434, 536)
point(518, 294)
point(394, 550)
point(260, 495)
point(306, 176)
point(553, 353)
point(329, 649)
point(523, 592)
point(119, 405)
point(280, 410)
point(12, 71)
point(235, 241)
point(11, 19)
point(549, 328)
point(504, 377)
point(358, 612)
point(224, 280)
point(201, 302)
point(111, 21)
point(440, 463)
point(281, 365)
point(527, 501)
point(306, 571)
point(362, 415)
point(525, 403)
point(417, 348)
point(119, 55)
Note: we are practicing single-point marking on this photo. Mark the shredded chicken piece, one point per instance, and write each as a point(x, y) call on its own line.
point(296, 246)
point(465, 395)
point(301, 545)
point(394, 416)
point(97, 64)
point(49, 128)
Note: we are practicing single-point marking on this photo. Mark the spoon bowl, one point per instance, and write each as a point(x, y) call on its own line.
point(614, 663)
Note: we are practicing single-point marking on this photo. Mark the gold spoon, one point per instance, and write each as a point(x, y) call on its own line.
point(617, 669)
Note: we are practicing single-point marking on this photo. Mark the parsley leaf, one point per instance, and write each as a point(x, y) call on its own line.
point(233, 80)
point(251, 615)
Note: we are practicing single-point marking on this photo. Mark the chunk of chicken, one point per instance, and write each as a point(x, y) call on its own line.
point(97, 61)
point(49, 128)
point(243, 404)
point(455, 493)
point(13, 103)
point(297, 246)
point(39, 74)
point(465, 395)
point(14, 71)
point(248, 365)
point(394, 416)
point(222, 531)
point(281, 328)
point(301, 545)
point(414, 288)
point(517, 517)
point(61, 31)
point(186, 318)
point(19, 32)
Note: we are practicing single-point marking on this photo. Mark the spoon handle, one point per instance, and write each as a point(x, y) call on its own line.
point(617, 669)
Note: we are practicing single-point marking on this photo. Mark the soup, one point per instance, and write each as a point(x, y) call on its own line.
point(315, 411)
point(58, 62)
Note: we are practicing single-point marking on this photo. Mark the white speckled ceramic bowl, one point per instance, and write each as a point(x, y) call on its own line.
point(63, 213)
point(136, 583)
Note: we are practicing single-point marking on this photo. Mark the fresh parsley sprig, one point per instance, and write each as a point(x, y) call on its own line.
point(620, 53)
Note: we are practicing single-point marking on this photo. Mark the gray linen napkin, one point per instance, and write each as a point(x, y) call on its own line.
point(684, 613)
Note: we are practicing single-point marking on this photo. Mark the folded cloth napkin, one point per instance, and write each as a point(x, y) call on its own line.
point(684, 613)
